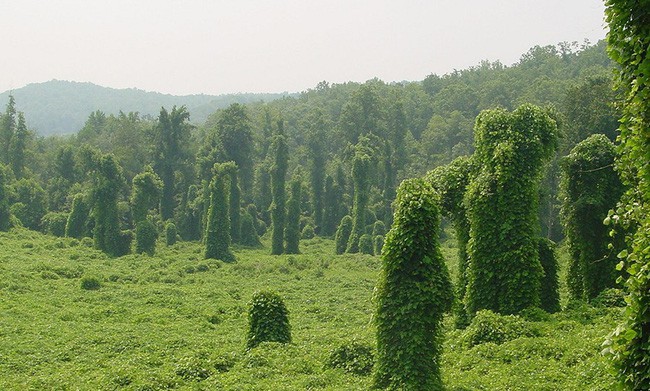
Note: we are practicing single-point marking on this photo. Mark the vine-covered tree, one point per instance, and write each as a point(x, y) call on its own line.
point(343, 234)
point(7, 129)
point(18, 147)
point(505, 273)
point(413, 293)
point(451, 182)
point(317, 153)
point(5, 214)
point(361, 165)
point(590, 188)
point(146, 235)
point(171, 135)
point(146, 192)
point(278, 179)
point(234, 200)
point(30, 203)
point(107, 183)
point(217, 236)
point(331, 206)
point(550, 293)
point(292, 229)
point(75, 227)
point(235, 135)
point(629, 43)
point(263, 193)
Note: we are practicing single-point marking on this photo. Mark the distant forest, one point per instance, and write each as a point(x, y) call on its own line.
point(406, 128)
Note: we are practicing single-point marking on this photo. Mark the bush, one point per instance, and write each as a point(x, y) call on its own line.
point(365, 244)
point(248, 232)
point(308, 232)
point(268, 319)
point(54, 223)
point(610, 297)
point(354, 357)
point(378, 244)
point(488, 326)
point(343, 234)
point(90, 283)
point(145, 237)
point(170, 233)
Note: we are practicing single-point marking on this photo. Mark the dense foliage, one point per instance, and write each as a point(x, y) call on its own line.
point(504, 273)
point(217, 233)
point(343, 234)
point(451, 182)
point(413, 293)
point(268, 319)
point(292, 229)
point(278, 180)
point(629, 43)
point(550, 289)
point(590, 188)
point(107, 183)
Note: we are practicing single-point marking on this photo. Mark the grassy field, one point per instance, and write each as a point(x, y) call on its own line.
point(177, 321)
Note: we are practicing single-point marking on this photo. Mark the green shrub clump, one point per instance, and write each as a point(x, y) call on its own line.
point(365, 244)
point(488, 326)
point(146, 235)
point(343, 234)
point(54, 223)
point(308, 232)
point(171, 234)
point(354, 357)
point(268, 319)
point(90, 283)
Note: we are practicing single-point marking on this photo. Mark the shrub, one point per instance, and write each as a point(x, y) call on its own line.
point(379, 228)
point(365, 244)
point(54, 223)
point(378, 244)
point(248, 232)
point(610, 297)
point(76, 225)
point(308, 232)
point(90, 283)
point(353, 357)
point(145, 237)
point(550, 291)
point(268, 319)
point(488, 326)
point(343, 234)
point(171, 233)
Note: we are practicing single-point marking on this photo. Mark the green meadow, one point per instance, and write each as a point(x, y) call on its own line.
point(72, 318)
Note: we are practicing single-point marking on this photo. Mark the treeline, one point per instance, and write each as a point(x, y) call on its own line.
point(299, 165)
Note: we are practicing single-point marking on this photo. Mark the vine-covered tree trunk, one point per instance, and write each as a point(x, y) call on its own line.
point(629, 44)
point(413, 293)
point(505, 273)
point(278, 178)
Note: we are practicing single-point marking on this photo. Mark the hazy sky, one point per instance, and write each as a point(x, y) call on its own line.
point(215, 46)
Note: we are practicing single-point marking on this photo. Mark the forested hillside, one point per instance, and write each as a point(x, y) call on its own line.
point(60, 107)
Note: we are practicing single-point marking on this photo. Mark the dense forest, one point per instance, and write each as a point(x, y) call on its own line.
point(502, 161)
point(408, 129)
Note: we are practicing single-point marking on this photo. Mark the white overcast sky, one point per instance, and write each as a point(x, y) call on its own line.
point(218, 46)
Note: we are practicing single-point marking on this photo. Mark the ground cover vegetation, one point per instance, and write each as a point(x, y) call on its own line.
point(489, 146)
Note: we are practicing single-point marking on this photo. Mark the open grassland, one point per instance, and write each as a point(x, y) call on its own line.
point(177, 321)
